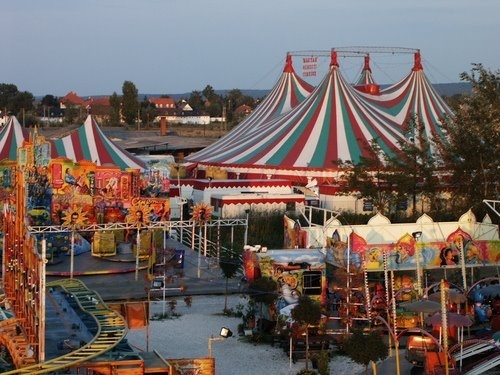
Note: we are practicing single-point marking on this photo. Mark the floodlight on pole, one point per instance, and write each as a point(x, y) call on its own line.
point(224, 334)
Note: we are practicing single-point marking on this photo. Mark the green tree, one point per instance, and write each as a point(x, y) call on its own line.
point(213, 102)
point(307, 313)
point(230, 265)
point(22, 101)
point(264, 292)
point(413, 171)
point(50, 101)
point(214, 109)
point(369, 179)
point(196, 100)
point(47, 105)
point(115, 103)
point(71, 113)
point(474, 141)
point(372, 344)
point(148, 112)
point(209, 94)
point(7, 92)
point(130, 103)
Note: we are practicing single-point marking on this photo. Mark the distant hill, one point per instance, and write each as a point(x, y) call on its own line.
point(443, 89)
point(450, 89)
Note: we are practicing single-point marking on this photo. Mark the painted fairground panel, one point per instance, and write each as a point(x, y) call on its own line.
point(62, 192)
point(7, 178)
point(155, 184)
point(402, 254)
point(297, 272)
point(141, 213)
point(72, 190)
point(367, 263)
point(294, 236)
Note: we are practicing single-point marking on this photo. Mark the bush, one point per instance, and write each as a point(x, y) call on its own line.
point(374, 348)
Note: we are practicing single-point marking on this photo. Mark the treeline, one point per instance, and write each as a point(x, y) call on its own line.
point(126, 108)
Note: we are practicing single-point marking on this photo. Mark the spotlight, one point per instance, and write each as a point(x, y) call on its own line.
point(225, 332)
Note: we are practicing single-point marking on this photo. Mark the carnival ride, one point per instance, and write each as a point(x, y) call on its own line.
point(393, 284)
point(24, 275)
point(53, 207)
point(110, 330)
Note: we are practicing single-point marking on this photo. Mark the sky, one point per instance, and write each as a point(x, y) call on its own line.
point(177, 46)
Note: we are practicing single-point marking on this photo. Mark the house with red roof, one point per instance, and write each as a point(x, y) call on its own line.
point(71, 99)
point(243, 110)
point(99, 107)
point(162, 102)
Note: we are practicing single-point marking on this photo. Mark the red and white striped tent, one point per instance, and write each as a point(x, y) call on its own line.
point(414, 96)
point(335, 122)
point(12, 136)
point(366, 76)
point(88, 142)
point(288, 92)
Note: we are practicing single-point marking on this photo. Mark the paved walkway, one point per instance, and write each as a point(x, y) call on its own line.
point(118, 279)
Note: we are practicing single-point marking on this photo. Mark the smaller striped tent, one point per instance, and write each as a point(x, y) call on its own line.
point(12, 136)
point(88, 142)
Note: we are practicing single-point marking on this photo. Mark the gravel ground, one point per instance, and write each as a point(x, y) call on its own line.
point(187, 337)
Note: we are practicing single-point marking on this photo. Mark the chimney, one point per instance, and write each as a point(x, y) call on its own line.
point(163, 125)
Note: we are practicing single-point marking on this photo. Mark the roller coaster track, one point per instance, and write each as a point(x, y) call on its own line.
point(111, 329)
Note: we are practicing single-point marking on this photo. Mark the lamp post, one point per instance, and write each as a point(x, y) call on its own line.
point(181, 202)
point(247, 212)
point(199, 252)
point(444, 287)
point(416, 236)
point(72, 254)
point(224, 334)
point(73, 222)
point(414, 149)
point(138, 242)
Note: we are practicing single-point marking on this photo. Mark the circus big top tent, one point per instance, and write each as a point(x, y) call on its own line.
point(337, 121)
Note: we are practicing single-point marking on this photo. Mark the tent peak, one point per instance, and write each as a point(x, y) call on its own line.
point(418, 62)
point(288, 64)
point(334, 59)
